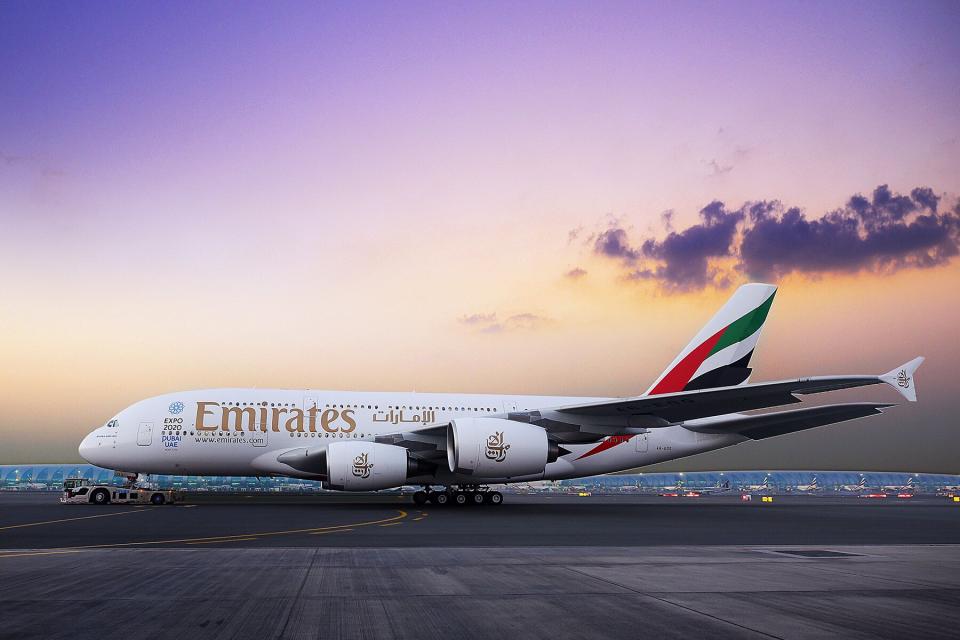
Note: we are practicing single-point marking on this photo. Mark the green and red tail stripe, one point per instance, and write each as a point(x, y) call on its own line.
point(680, 377)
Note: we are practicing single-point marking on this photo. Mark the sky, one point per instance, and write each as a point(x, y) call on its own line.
point(537, 197)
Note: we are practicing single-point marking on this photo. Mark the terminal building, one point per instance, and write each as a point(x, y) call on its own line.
point(40, 477)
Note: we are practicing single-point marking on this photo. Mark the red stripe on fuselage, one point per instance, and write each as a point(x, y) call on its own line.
point(609, 443)
point(680, 375)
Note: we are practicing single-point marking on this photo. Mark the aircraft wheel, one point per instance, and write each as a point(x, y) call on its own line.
point(441, 498)
point(157, 499)
point(476, 497)
point(420, 498)
point(100, 496)
point(494, 498)
point(460, 498)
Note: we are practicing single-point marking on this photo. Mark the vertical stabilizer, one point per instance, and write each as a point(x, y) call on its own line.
point(719, 356)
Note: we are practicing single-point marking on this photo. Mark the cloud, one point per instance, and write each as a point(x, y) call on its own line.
point(681, 259)
point(478, 319)
point(765, 240)
point(576, 273)
point(30, 163)
point(488, 322)
point(613, 243)
point(717, 169)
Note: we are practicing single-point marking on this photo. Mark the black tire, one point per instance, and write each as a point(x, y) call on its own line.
point(476, 497)
point(420, 498)
point(100, 496)
point(460, 498)
point(157, 499)
point(494, 498)
point(441, 498)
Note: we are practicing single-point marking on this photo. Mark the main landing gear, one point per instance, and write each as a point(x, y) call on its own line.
point(462, 495)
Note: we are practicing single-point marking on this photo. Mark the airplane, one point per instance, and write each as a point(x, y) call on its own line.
point(765, 485)
point(949, 490)
point(455, 446)
point(719, 487)
point(813, 487)
point(860, 487)
point(910, 487)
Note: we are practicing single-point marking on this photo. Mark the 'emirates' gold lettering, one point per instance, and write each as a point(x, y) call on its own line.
point(238, 415)
point(259, 416)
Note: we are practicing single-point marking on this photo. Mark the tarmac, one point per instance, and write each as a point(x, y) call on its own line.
point(535, 567)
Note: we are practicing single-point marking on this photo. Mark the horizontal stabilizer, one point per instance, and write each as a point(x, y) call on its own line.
point(757, 427)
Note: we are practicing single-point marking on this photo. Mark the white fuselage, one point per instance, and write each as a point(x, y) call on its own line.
point(240, 432)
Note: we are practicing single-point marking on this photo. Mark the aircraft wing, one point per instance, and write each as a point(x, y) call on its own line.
point(428, 443)
point(718, 408)
point(672, 408)
point(758, 427)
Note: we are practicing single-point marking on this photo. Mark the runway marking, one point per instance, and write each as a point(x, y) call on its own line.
point(35, 553)
point(417, 519)
point(232, 538)
point(323, 533)
point(220, 541)
point(101, 515)
point(391, 524)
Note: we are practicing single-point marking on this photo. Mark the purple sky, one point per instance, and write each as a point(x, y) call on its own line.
point(317, 194)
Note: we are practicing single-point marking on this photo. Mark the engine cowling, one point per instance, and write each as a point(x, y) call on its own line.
point(498, 448)
point(366, 466)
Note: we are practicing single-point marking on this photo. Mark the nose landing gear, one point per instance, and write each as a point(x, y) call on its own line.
point(462, 495)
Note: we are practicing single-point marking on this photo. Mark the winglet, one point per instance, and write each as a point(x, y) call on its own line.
point(902, 380)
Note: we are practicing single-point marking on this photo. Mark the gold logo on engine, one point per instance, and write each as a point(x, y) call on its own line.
point(361, 468)
point(496, 449)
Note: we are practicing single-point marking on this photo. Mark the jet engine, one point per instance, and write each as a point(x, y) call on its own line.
point(498, 448)
point(367, 466)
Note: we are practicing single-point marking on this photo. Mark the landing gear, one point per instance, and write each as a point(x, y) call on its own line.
point(463, 495)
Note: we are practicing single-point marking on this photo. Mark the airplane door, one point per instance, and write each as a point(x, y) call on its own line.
point(641, 443)
point(145, 434)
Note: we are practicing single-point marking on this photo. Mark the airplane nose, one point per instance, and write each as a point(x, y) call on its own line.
point(87, 447)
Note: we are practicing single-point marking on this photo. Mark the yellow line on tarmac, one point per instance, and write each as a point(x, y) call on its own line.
point(35, 553)
point(219, 541)
point(101, 515)
point(391, 524)
point(323, 533)
point(241, 536)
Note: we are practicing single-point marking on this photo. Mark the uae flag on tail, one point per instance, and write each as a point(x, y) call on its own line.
point(719, 356)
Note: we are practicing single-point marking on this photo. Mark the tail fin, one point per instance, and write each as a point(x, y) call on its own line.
point(719, 356)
